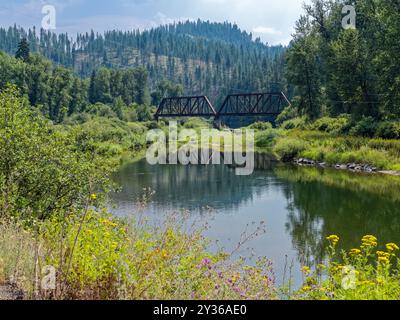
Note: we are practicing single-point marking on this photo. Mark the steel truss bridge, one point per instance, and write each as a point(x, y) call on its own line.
point(237, 105)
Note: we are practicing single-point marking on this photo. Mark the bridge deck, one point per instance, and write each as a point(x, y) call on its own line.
point(244, 105)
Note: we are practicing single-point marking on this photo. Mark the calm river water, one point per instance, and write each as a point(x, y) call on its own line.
point(300, 206)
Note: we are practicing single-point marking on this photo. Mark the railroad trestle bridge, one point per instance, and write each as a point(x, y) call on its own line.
point(234, 105)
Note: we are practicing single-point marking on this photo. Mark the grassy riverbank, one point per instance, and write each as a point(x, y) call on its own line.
point(101, 257)
point(330, 148)
point(325, 141)
point(97, 256)
point(51, 178)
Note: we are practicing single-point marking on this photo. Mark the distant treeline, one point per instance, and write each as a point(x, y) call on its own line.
point(204, 57)
point(57, 92)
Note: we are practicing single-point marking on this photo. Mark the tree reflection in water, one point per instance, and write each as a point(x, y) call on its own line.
point(325, 201)
point(301, 206)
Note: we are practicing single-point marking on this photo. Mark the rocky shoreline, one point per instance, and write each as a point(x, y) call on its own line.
point(354, 167)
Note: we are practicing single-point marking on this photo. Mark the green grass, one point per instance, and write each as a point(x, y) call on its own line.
point(329, 148)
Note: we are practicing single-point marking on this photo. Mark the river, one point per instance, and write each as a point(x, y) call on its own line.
point(299, 206)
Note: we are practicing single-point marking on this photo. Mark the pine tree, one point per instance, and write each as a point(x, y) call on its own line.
point(23, 51)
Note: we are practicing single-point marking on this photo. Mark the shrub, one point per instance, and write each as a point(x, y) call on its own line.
point(77, 118)
point(396, 167)
point(366, 127)
point(296, 123)
point(144, 113)
point(332, 125)
point(261, 126)
point(107, 149)
point(130, 115)
point(195, 123)
point(55, 169)
point(287, 114)
point(288, 148)
point(266, 138)
point(102, 110)
point(388, 130)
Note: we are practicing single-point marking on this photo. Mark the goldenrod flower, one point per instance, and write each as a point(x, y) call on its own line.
point(370, 237)
point(334, 239)
point(306, 270)
point(355, 252)
point(392, 247)
point(369, 241)
point(383, 254)
point(338, 268)
point(383, 260)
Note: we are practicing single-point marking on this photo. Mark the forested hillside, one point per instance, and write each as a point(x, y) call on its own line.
point(57, 92)
point(204, 57)
point(355, 71)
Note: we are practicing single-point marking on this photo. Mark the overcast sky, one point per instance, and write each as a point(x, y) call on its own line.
point(272, 20)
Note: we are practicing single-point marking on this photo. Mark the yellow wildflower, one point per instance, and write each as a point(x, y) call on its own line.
point(369, 241)
point(392, 246)
point(306, 288)
point(383, 260)
point(383, 254)
point(355, 252)
point(338, 268)
point(93, 197)
point(306, 270)
point(109, 223)
point(164, 254)
point(235, 278)
point(333, 239)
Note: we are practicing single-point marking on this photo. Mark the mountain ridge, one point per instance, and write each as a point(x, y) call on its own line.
point(205, 57)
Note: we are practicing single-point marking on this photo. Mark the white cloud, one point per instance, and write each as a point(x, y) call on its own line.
point(266, 30)
point(161, 18)
point(271, 20)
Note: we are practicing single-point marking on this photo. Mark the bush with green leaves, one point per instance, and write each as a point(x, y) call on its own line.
point(43, 170)
point(261, 126)
point(339, 125)
point(296, 123)
point(196, 123)
point(287, 114)
point(266, 138)
point(388, 130)
point(111, 135)
point(288, 148)
point(366, 127)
